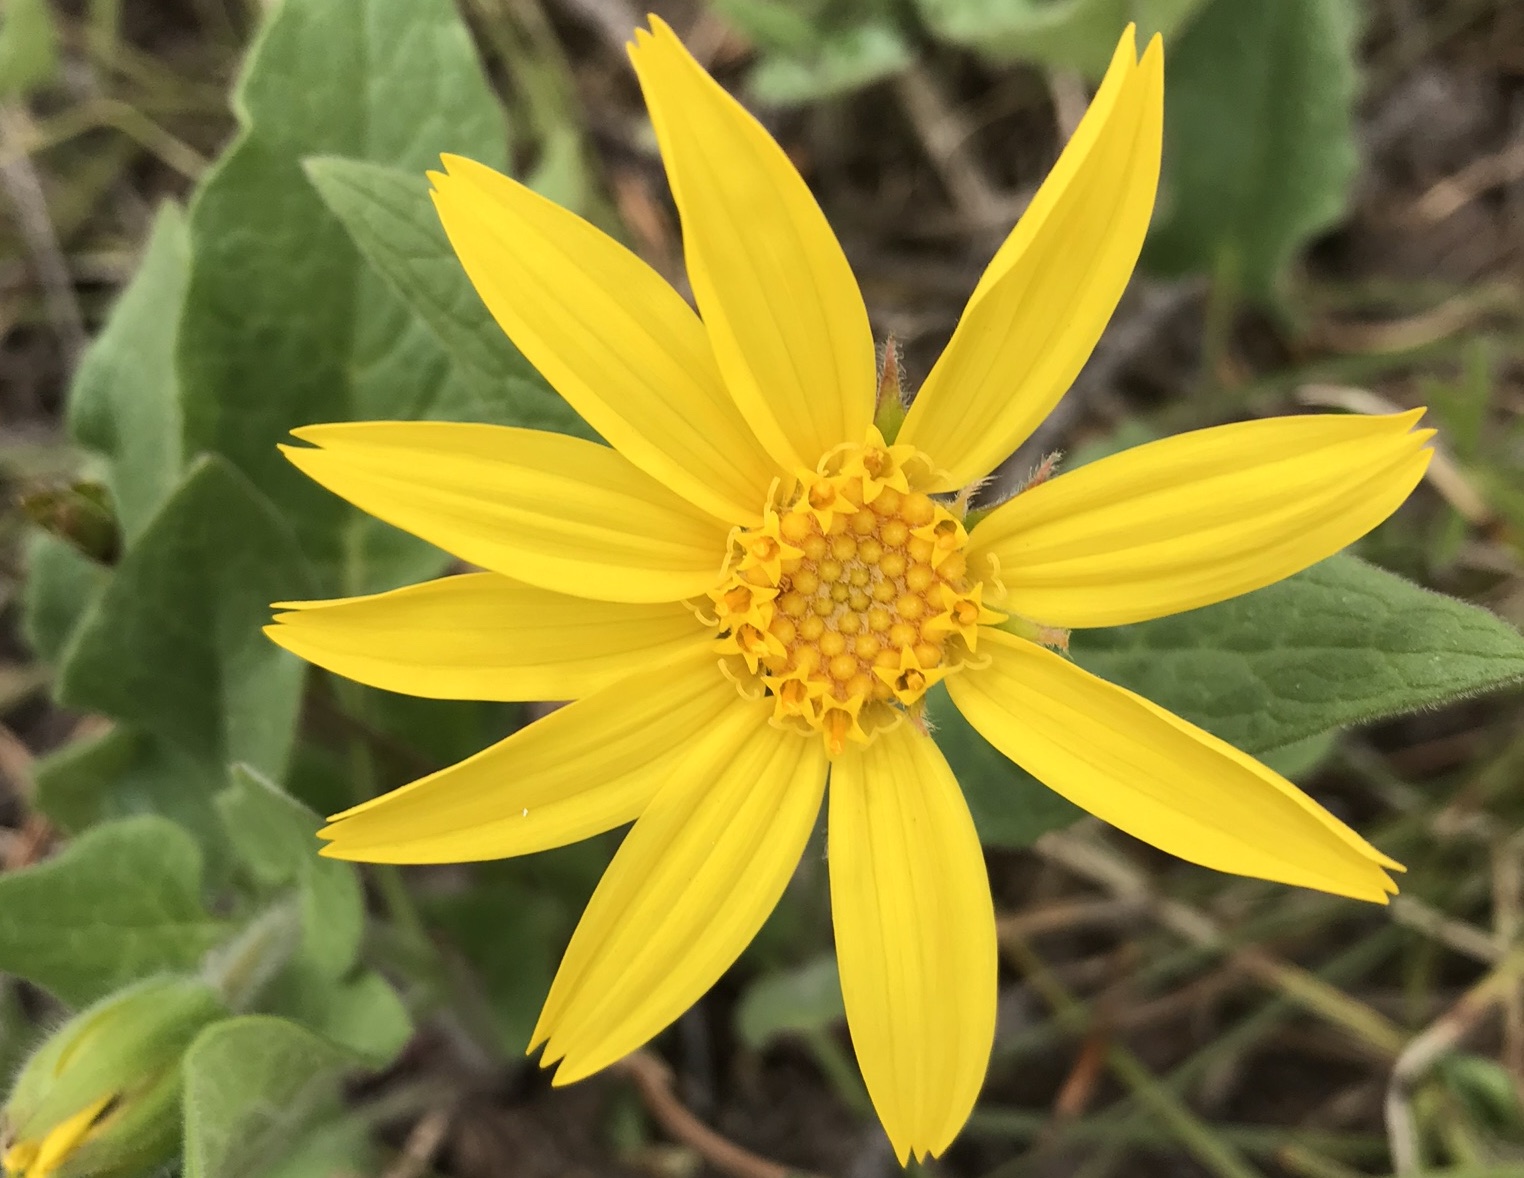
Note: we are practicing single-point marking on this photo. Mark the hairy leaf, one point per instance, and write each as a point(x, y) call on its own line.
point(1068, 34)
point(285, 323)
point(1259, 138)
point(253, 1085)
point(276, 838)
point(61, 583)
point(121, 903)
point(125, 771)
point(797, 1001)
point(391, 219)
point(174, 645)
point(125, 401)
point(1341, 643)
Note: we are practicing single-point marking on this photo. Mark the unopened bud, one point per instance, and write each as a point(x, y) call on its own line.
point(1053, 637)
point(889, 406)
point(101, 1096)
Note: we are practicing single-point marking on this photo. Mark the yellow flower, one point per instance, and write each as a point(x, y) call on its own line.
point(750, 588)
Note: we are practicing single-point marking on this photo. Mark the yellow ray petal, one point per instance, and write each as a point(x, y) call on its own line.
point(483, 636)
point(1149, 773)
point(1045, 298)
point(609, 334)
point(543, 508)
point(1197, 518)
point(691, 885)
point(588, 767)
point(915, 936)
point(784, 314)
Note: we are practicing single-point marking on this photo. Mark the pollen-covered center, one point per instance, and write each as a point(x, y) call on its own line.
point(848, 601)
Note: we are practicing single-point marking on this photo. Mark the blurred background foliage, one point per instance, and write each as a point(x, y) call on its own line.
point(217, 230)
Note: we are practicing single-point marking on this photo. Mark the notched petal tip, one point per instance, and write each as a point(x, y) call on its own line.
point(1379, 889)
point(564, 1076)
point(311, 434)
point(461, 171)
point(555, 1058)
point(1129, 39)
point(643, 40)
point(307, 459)
point(660, 30)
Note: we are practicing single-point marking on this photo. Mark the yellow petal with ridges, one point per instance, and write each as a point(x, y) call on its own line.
point(691, 885)
point(1197, 518)
point(550, 510)
point(484, 636)
point(1151, 774)
point(609, 334)
point(585, 768)
point(1045, 298)
point(915, 936)
point(784, 314)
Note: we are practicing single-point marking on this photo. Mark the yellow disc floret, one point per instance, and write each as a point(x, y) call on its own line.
point(853, 596)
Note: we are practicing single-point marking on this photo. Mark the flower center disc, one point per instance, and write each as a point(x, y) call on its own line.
point(847, 603)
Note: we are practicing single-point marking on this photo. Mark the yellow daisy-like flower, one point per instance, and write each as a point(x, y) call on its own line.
point(749, 590)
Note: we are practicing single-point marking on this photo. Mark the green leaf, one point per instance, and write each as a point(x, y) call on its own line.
point(813, 49)
point(121, 903)
point(345, 1146)
point(1341, 643)
point(1487, 1092)
point(363, 1014)
point(392, 221)
point(285, 324)
point(775, 24)
point(799, 1001)
point(28, 47)
point(174, 644)
point(1259, 138)
point(61, 583)
point(276, 838)
point(125, 400)
point(1067, 34)
point(1274, 673)
point(123, 772)
point(839, 61)
point(252, 1086)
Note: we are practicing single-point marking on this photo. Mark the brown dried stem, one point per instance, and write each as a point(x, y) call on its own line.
point(653, 1079)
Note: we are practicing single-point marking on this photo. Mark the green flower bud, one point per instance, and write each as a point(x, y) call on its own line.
point(101, 1096)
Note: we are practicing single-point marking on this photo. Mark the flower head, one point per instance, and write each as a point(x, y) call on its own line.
point(750, 589)
point(101, 1096)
